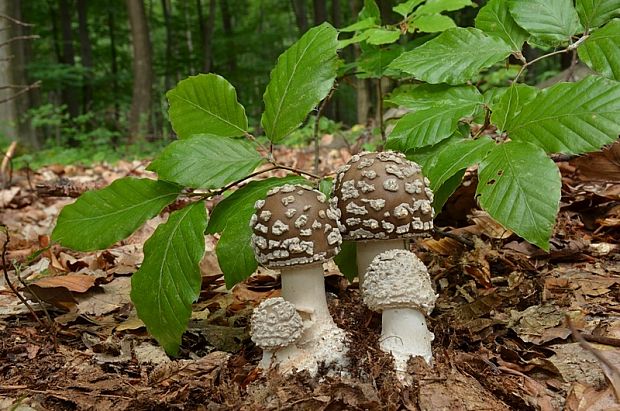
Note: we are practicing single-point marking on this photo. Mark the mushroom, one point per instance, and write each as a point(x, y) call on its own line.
point(398, 285)
point(295, 230)
point(275, 325)
point(384, 200)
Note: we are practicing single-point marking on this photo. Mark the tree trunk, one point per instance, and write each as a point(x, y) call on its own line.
point(142, 71)
point(165, 5)
point(86, 53)
point(228, 32)
point(336, 13)
point(69, 92)
point(15, 100)
point(206, 30)
point(188, 38)
point(301, 15)
point(320, 11)
point(114, 65)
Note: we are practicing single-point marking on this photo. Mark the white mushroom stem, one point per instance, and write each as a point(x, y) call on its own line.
point(304, 286)
point(368, 250)
point(405, 334)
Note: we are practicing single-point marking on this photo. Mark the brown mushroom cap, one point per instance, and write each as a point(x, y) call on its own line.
point(294, 225)
point(383, 196)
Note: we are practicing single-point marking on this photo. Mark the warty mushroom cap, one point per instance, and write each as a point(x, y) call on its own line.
point(294, 225)
point(275, 324)
point(383, 196)
point(398, 279)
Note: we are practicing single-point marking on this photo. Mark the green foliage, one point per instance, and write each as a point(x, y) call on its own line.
point(206, 104)
point(169, 279)
point(231, 219)
point(346, 260)
point(303, 76)
point(601, 51)
point(571, 118)
point(449, 58)
point(510, 104)
point(100, 218)
point(595, 13)
point(495, 19)
point(183, 162)
point(552, 21)
point(520, 187)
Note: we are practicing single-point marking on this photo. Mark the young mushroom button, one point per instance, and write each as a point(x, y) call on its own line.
point(295, 230)
point(384, 199)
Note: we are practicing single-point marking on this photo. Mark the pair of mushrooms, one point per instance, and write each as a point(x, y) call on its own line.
point(380, 200)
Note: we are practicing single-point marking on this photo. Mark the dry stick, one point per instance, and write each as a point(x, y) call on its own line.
point(455, 237)
point(14, 20)
point(17, 38)
point(22, 91)
point(315, 133)
point(613, 370)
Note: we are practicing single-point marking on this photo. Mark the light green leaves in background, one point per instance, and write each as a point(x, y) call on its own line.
point(231, 218)
point(406, 7)
point(453, 57)
point(100, 218)
point(206, 161)
point(571, 118)
point(552, 21)
point(302, 77)
point(494, 19)
point(520, 186)
point(169, 279)
point(601, 51)
point(206, 104)
point(432, 23)
point(595, 13)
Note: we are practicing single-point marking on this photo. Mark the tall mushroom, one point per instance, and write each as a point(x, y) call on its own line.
point(398, 285)
point(384, 200)
point(295, 230)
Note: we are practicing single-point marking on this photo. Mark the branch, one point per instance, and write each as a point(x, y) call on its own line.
point(571, 47)
point(22, 91)
point(14, 20)
point(13, 39)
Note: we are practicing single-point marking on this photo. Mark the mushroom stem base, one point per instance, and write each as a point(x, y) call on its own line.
point(404, 334)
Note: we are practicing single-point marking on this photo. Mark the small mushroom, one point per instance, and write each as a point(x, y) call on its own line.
point(299, 235)
point(384, 200)
point(397, 284)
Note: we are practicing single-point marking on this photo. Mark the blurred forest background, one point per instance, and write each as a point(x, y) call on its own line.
point(90, 76)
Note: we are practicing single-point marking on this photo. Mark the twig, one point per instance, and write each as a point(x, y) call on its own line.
point(14, 20)
point(570, 47)
point(455, 237)
point(17, 38)
point(613, 370)
point(315, 132)
point(487, 122)
point(613, 342)
point(19, 93)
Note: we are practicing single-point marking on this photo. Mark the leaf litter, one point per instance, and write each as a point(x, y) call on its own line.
point(502, 337)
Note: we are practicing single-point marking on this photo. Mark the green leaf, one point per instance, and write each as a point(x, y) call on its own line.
point(438, 6)
point(100, 218)
point(302, 77)
point(433, 23)
point(426, 157)
point(553, 21)
point(325, 186)
point(382, 36)
point(374, 61)
point(595, 13)
point(520, 186)
point(371, 10)
point(426, 127)
point(425, 96)
point(359, 25)
point(443, 193)
point(359, 37)
point(169, 279)
point(571, 118)
point(511, 103)
point(454, 57)
point(346, 260)
point(601, 51)
point(231, 218)
point(456, 157)
point(405, 8)
point(206, 104)
point(495, 20)
point(206, 161)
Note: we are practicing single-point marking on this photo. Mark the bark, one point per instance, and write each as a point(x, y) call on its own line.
point(165, 5)
point(301, 15)
point(86, 53)
point(336, 13)
point(142, 71)
point(13, 73)
point(228, 32)
point(188, 38)
point(69, 91)
point(320, 11)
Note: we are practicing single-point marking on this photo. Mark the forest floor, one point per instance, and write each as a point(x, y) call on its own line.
point(515, 327)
